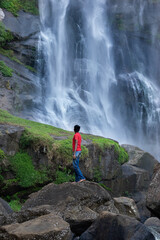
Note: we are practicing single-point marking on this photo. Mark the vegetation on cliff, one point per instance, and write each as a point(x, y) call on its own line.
point(5, 35)
point(56, 144)
point(14, 6)
point(5, 70)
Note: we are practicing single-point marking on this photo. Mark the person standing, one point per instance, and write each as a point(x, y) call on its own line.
point(76, 144)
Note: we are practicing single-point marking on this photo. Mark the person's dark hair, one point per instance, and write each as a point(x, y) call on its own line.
point(77, 128)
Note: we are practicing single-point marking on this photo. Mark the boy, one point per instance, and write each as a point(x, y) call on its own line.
point(76, 144)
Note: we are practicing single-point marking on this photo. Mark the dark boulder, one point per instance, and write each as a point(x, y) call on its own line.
point(114, 226)
point(153, 194)
point(61, 196)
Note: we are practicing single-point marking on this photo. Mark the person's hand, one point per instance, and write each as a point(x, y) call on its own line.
point(74, 156)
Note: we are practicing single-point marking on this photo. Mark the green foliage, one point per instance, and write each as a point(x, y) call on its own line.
point(15, 205)
point(30, 6)
point(97, 175)
point(2, 155)
point(9, 54)
point(30, 68)
point(5, 35)
point(14, 6)
point(25, 172)
point(1, 178)
point(5, 70)
point(64, 176)
point(105, 187)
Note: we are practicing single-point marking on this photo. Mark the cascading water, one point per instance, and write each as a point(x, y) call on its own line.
point(98, 71)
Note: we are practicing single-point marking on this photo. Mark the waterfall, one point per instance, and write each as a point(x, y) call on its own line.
point(97, 71)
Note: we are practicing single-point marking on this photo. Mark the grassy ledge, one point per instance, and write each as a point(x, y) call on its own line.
point(38, 134)
point(14, 6)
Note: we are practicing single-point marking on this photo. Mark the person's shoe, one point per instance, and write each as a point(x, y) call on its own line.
point(82, 180)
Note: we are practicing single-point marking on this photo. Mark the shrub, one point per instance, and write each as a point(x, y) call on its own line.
point(25, 172)
point(15, 205)
point(5, 70)
point(64, 176)
point(2, 155)
point(5, 35)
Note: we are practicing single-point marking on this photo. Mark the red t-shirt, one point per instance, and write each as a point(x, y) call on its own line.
point(76, 136)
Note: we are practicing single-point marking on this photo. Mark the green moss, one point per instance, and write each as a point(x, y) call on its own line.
point(5, 35)
point(2, 155)
point(97, 175)
point(25, 172)
point(9, 54)
point(14, 6)
point(64, 176)
point(5, 70)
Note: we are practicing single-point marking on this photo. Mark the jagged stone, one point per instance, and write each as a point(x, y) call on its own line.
point(46, 227)
point(140, 158)
point(153, 194)
point(115, 226)
point(127, 207)
point(9, 138)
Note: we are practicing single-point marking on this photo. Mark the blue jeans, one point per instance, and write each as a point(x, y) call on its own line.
point(78, 173)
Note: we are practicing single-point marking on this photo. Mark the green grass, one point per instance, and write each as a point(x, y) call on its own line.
point(10, 55)
point(38, 134)
point(5, 35)
point(103, 143)
point(14, 6)
point(5, 70)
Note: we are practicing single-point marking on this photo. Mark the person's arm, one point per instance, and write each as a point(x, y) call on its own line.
point(76, 144)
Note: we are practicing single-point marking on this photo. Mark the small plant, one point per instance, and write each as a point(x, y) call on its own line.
point(5, 35)
point(105, 187)
point(15, 205)
point(5, 70)
point(63, 176)
point(97, 175)
point(2, 155)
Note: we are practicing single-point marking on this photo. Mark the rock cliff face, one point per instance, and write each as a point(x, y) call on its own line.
point(17, 92)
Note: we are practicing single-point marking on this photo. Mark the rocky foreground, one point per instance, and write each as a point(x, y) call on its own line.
point(84, 211)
